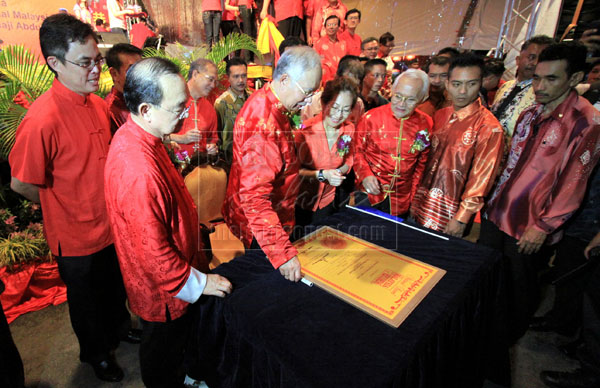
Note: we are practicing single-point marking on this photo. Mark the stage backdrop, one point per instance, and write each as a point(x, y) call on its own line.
point(20, 20)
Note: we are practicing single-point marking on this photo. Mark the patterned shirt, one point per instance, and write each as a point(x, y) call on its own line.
point(228, 106)
point(513, 109)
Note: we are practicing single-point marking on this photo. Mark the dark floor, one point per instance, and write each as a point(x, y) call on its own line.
point(50, 354)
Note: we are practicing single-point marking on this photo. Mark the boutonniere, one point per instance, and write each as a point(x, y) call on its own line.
point(183, 158)
point(421, 142)
point(343, 145)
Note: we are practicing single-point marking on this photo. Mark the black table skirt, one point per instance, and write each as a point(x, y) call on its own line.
point(273, 333)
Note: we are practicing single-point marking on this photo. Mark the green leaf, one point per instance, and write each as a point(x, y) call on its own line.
point(22, 67)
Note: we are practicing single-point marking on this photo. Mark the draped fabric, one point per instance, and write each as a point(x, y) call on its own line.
point(274, 333)
point(383, 150)
point(264, 178)
point(31, 288)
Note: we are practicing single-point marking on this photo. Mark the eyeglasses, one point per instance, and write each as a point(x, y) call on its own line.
point(306, 94)
point(335, 110)
point(408, 100)
point(180, 115)
point(371, 48)
point(88, 64)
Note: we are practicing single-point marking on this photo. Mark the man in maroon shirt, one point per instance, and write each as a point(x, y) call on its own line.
point(553, 151)
point(154, 221)
point(58, 161)
point(119, 59)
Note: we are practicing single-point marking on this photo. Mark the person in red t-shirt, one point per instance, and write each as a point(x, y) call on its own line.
point(331, 49)
point(353, 41)
point(58, 160)
point(199, 130)
point(140, 32)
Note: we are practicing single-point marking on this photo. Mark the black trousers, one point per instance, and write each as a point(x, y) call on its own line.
point(96, 298)
point(590, 355)
point(248, 28)
point(229, 26)
point(11, 366)
point(521, 274)
point(290, 27)
point(162, 352)
point(565, 315)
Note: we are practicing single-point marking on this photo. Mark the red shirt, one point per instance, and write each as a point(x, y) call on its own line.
point(353, 42)
point(139, 33)
point(154, 223)
point(117, 109)
point(201, 116)
point(314, 154)
point(383, 150)
point(321, 13)
point(331, 53)
point(546, 174)
point(285, 9)
point(263, 181)
point(466, 151)
point(227, 14)
point(211, 5)
point(61, 146)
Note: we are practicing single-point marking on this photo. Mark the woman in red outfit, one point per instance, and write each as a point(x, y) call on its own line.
point(325, 147)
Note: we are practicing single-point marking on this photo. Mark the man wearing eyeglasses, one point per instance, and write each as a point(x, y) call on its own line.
point(375, 76)
point(199, 129)
point(58, 160)
point(387, 163)
point(154, 221)
point(466, 150)
point(264, 178)
point(330, 48)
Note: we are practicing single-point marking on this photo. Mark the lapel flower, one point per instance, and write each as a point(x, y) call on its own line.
point(343, 145)
point(421, 141)
point(183, 158)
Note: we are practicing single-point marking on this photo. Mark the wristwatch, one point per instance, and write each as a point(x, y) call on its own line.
point(320, 176)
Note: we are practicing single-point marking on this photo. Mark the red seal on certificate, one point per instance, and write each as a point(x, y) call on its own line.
point(333, 242)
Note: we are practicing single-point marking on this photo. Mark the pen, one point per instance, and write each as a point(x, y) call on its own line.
point(307, 282)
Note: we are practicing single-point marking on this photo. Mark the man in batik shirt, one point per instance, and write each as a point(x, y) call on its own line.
point(231, 101)
point(392, 146)
point(466, 149)
point(264, 178)
point(553, 152)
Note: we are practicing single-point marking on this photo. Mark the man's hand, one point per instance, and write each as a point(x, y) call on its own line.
point(531, 241)
point(591, 39)
point(191, 136)
point(291, 269)
point(212, 149)
point(217, 285)
point(371, 185)
point(593, 244)
point(263, 14)
point(334, 177)
point(309, 40)
point(455, 228)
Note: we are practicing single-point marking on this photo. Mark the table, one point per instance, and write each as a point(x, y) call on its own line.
point(273, 333)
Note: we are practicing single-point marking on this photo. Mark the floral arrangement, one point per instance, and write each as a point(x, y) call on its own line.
point(421, 141)
point(343, 145)
point(21, 233)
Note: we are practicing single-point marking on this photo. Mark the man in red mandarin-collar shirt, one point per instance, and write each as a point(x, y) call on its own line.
point(58, 160)
point(264, 178)
point(154, 221)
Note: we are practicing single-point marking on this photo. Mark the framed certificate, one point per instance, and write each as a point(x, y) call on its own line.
point(382, 283)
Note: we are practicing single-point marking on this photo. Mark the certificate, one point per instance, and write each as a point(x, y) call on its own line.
point(383, 283)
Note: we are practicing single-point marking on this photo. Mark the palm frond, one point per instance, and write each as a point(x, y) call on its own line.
point(229, 44)
point(11, 115)
point(152, 52)
point(19, 65)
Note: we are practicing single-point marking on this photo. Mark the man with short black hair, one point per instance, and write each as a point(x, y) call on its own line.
point(492, 78)
point(58, 160)
point(517, 95)
point(552, 154)
point(437, 70)
point(199, 129)
point(466, 150)
point(330, 48)
point(386, 45)
point(448, 52)
point(154, 221)
point(369, 48)
point(375, 76)
point(317, 12)
point(231, 102)
point(119, 59)
point(349, 35)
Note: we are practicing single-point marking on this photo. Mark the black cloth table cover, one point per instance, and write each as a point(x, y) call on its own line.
point(274, 333)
